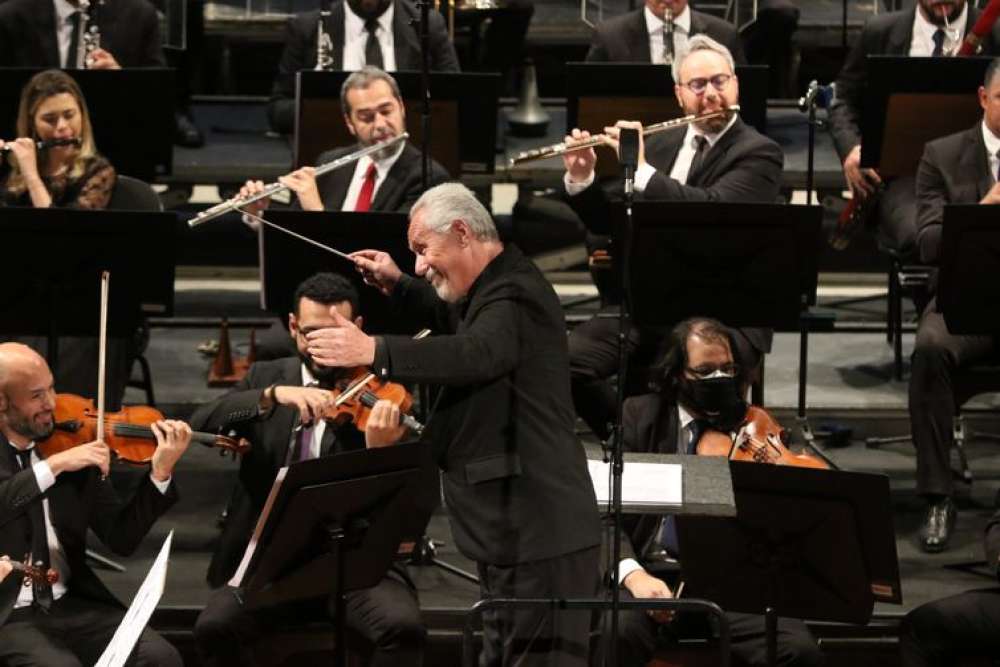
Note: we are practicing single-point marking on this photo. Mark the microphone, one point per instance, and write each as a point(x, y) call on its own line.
point(820, 96)
point(628, 155)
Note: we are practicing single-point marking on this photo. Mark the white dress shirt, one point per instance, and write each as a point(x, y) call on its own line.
point(57, 557)
point(992, 142)
point(356, 37)
point(654, 25)
point(64, 27)
point(684, 433)
point(382, 167)
point(922, 43)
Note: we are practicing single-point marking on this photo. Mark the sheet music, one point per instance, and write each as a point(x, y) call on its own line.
point(241, 571)
point(139, 612)
point(652, 485)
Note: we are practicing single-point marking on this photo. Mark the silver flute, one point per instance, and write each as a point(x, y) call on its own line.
point(274, 188)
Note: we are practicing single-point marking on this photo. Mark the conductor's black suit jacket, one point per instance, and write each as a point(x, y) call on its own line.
point(130, 31)
point(78, 501)
point(515, 476)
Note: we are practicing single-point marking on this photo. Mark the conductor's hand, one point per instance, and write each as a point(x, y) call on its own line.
point(172, 439)
point(94, 453)
point(101, 59)
point(579, 164)
point(5, 567)
point(993, 196)
point(644, 586)
point(861, 181)
point(303, 183)
point(613, 132)
point(249, 189)
point(377, 269)
point(343, 345)
point(311, 402)
point(383, 427)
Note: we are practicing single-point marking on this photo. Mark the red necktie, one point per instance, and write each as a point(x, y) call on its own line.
point(367, 188)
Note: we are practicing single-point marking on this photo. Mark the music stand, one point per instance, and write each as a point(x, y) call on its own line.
point(286, 261)
point(970, 246)
point(52, 287)
point(910, 101)
point(806, 543)
point(599, 94)
point(466, 101)
point(134, 131)
point(333, 525)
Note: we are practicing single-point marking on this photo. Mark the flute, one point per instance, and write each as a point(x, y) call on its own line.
point(48, 143)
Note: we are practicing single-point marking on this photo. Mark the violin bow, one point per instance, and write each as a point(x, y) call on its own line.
point(102, 352)
point(353, 389)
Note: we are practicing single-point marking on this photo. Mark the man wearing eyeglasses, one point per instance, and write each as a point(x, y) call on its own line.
point(700, 386)
point(720, 159)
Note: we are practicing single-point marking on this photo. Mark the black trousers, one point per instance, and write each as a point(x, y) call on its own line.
point(639, 635)
point(897, 217)
point(942, 632)
point(386, 615)
point(539, 637)
point(937, 355)
point(75, 633)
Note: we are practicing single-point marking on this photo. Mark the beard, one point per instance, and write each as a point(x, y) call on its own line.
point(327, 376)
point(934, 16)
point(27, 427)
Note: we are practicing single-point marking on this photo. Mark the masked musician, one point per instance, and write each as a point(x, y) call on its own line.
point(48, 505)
point(377, 33)
point(277, 406)
point(386, 181)
point(702, 384)
point(931, 28)
point(74, 175)
point(720, 159)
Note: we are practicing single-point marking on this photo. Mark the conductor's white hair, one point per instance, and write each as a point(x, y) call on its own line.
point(700, 42)
point(448, 202)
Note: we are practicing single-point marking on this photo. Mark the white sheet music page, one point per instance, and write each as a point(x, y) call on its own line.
point(643, 484)
point(241, 571)
point(140, 611)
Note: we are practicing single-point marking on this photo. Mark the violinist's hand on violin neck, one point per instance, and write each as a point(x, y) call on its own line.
point(172, 440)
point(377, 269)
point(343, 345)
point(311, 403)
point(94, 453)
point(383, 427)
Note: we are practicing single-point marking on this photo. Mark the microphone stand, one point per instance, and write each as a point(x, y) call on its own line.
point(425, 91)
point(628, 154)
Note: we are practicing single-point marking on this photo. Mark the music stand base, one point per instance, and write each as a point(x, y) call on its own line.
point(425, 553)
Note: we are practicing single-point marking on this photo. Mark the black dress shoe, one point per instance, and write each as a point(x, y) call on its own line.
point(186, 133)
point(939, 526)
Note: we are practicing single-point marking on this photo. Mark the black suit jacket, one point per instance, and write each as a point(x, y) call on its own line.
point(515, 476)
point(626, 39)
point(887, 35)
point(300, 52)
point(130, 31)
point(400, 190)
point(953, 170)
point(270, 435)
point(78, 501)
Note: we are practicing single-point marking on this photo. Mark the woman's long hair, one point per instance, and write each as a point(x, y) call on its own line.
point(41, 87)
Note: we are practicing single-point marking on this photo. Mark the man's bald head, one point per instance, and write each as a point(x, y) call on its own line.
point(27, 395)
point(17, 359)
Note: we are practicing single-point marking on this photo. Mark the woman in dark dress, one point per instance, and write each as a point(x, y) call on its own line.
point(74, 175)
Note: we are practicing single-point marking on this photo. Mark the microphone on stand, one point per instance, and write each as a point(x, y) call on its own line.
point(628, 155)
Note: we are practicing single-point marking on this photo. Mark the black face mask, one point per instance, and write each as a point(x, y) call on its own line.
point(718, 399)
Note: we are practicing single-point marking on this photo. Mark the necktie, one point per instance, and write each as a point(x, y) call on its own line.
point(41, 591)
point(364, 202)
point(373, 52)
point(303, 445)
point(74, 41)
point(938, 43)
point(667, 536)
point(701, 147)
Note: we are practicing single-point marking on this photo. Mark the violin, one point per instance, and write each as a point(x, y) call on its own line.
point(759, 438)
point(32, 573)
point(356, 394)
point(127, 432)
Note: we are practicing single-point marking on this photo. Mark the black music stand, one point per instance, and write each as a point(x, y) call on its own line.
point(286, 261)
point(967, 294)
point(466, 101)
point(134, 131)
point(334, 525)
point(910, 101)
point(815, 544)
point(51, 282)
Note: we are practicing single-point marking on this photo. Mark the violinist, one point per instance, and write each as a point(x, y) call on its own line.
point(73, 175)
point(47, 506)
point(278, 407)
point(702, 385)
point(515, 478)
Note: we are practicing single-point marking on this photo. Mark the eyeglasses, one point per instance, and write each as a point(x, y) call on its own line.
point(706, 371)
point(700, 85)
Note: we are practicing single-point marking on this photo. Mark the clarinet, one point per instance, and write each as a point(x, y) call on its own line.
point(89, 34)
point(324, 45)
point(668, 38)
